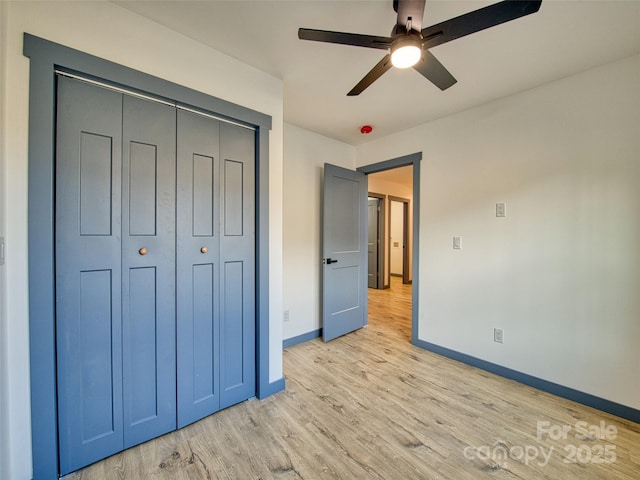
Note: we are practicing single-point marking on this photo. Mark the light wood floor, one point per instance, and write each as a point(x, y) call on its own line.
point(370, 405)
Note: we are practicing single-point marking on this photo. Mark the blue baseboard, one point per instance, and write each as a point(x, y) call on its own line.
point(587, 399)
point(305, 337)
point(271, 388)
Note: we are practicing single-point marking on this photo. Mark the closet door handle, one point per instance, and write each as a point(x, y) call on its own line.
point(143, 251)
point(204, 250)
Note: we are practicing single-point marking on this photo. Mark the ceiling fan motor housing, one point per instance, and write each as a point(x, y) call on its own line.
point(406, 50)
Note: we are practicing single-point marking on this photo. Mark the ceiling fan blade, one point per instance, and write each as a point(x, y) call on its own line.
point(354, 39)
point(478, 20)
point(375, 73)
point(431, 68)
point(410, 9)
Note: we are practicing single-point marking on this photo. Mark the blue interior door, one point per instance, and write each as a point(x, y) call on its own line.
point(216, 266)
point(88, 273)
point(344, 245)
point(237, 263)
point(148, 269)
point(155, 269)
point(198, 267)
point(115, 272)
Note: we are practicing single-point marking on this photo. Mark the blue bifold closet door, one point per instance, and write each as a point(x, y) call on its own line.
point(216, 268)
point(88, 273)
point(237, 260)
point(115, 272)
point(155, 285)
point(148, 269)
point(198, 269)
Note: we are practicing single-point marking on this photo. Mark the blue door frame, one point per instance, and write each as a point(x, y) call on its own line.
point(46, 57)
point(404, 161)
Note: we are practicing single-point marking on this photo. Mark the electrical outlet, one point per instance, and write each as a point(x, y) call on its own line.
point(498, 335)
point(285, 316)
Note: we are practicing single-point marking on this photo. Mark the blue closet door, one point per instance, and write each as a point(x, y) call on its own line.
point(155, 269)
point(237, 264)
point(115, 272)
point(88, 272)
point(215, 266)
point(148, 269)
point(198, 267)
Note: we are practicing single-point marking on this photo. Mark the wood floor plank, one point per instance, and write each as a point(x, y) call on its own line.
point(369, 405)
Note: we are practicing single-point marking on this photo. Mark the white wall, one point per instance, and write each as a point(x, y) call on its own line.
point(396, 240)
point(305, 154)
point(108, 31)
point(561, 272)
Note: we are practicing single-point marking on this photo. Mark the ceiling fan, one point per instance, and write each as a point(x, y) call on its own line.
point(409, 43)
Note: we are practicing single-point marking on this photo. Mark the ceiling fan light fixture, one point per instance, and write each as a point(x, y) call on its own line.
point(406, 52)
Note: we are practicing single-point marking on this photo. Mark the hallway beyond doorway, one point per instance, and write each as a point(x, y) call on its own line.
point(392, 306)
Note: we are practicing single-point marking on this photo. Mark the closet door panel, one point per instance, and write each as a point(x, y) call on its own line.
point(143, 183)
point(237, 257)
point(87, 248)
point(204, 193)
point(233, 325)
point(198, 267)
point(148, 265)
point(142, 335)
point(204, 336)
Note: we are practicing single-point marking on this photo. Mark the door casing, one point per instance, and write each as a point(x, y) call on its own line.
point(414, 160)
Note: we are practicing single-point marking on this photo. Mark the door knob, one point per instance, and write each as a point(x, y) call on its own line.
point(330, 261)
point(143, 251)
point(204, 250)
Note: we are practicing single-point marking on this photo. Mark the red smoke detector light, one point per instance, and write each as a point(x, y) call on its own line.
point(366, 129)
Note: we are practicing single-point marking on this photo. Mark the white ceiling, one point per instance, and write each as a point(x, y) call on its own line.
point(565, 37)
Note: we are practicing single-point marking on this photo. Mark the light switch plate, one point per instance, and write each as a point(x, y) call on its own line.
point(501, 209)
point(457, 243)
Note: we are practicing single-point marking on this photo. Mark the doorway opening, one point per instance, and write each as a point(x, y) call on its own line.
point(393, 200)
